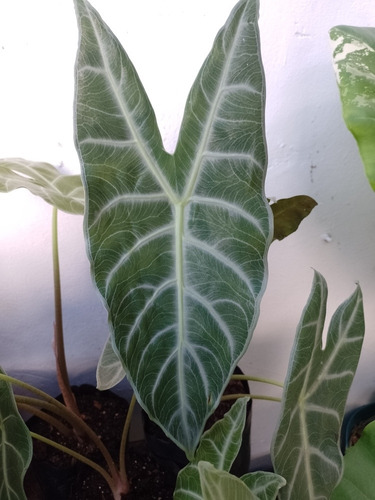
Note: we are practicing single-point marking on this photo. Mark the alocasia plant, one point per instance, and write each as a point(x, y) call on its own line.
point(177, 242)
point(178, 246)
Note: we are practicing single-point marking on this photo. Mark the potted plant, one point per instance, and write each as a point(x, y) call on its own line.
point(178, 245)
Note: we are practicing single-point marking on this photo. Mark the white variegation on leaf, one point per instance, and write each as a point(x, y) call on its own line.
point(354, 62)
point(305, 449)
point(64, 192)
point(177, 242)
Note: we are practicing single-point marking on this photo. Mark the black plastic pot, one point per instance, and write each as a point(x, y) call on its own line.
point(168, 453)
point(353, 424)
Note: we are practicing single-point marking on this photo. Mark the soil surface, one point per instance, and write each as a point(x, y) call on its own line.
point(53, 475)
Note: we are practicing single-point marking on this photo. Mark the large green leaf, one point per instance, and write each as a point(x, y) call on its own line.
point(177, 242)
point(15, 446)
point(65, 192)
point(354, 60)
point(305, 450)
point(359, 465)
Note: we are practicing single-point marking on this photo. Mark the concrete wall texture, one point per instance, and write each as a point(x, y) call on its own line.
point(310, 152)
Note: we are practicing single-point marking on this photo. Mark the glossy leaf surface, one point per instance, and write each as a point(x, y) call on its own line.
point(177, 242)
point(306, 449)
point(15, 446)
point(354, 60)
point(65, 192)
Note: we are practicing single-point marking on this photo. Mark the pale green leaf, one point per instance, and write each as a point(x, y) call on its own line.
point(219, 445)
point(177, 242)
point(110, 370)
point(265, 485)
point(354, 60)
point(359, 465)
point(65, 192)
point(220, 485)
point(15, 446)
point(306, 449)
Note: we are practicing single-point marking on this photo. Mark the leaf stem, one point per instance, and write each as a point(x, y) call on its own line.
point(258, 379)
point(125, 432)
point(76, 455)
point(59, 348)
point(72, 418)
point(228, 397)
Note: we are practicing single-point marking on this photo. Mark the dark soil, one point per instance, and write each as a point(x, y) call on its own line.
point(53, 475)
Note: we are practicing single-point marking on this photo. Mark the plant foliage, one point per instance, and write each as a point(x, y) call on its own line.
point(177, 242)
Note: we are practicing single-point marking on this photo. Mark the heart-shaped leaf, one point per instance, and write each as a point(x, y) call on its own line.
point(177, 242)
point(306, 450)
point(65, 192)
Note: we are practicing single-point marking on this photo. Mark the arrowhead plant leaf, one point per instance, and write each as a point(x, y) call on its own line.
point(354, 62)
point(177, 241)
point(305, 449)
point(15, 446)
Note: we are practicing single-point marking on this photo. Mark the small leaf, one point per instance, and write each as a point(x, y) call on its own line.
point(265, 485)
point(219, 445)
point(110, 370)
point(359, 465)
point(15, 446)
point(305, 449)
point(220, 485)
point(354, 61)
point(288, 213)
point(65, 192)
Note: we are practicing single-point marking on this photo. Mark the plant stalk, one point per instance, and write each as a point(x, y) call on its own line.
point(125, 432)
point(228, 397)
point(59, 348)
point(72, 418)
point(258, 379)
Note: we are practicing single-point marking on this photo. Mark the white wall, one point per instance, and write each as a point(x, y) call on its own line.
point(310, 152)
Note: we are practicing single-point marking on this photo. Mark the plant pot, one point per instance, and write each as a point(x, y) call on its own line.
point(174, 459)
point(353, 424)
